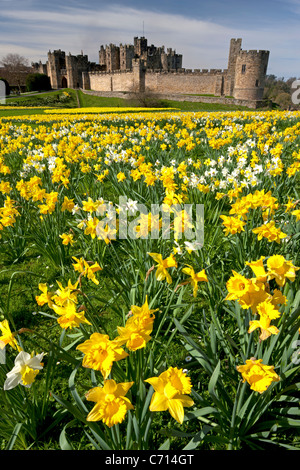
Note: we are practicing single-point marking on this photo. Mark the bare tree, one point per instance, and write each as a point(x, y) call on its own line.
point(145, 98)
point(15, 68)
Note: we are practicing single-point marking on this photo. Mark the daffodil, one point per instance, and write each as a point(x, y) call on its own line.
point(67, 239)
point(171, 392)
point(258, 268)
point(64, 295)
point(267, 313)
point(68, 204)
point(270, 232)
point(281, 269)
point(163, 265)
point(87, 269)
point(7, 336)
point(194, 278)
point(259, 376)
point(69, 315)
point(248, 292)
point(138, 328)
point(237, 286)
point(232, 225)
point(45, 297)
point(111, 403)
point(24, 371)
point(100, 353)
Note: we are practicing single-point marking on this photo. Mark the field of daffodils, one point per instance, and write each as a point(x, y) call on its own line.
point(162, 260)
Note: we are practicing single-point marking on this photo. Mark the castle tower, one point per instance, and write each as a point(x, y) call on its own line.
point(71, 69)
point(140, 46)
point(126, 56)
point(138, 75)
point(56, 65)
point(234, 50)
point(102, 57)
point(112, 58)
point(250, 73)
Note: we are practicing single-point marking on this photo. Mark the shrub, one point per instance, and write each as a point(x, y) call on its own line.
point(37, 82)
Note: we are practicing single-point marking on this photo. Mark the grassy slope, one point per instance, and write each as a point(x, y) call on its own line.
point(36, 104)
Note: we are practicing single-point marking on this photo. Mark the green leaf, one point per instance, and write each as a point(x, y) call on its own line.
point(14, 436)
point(214, 379)
point(63, 440)
point(165, 445)
point(201, 412)
point(198, 438)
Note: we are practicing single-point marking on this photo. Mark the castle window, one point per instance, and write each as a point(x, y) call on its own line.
point(256, 83)
point(243, 68)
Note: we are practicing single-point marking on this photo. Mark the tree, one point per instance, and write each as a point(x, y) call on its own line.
point(279, 91)
point(37, 82)
point(15, 68)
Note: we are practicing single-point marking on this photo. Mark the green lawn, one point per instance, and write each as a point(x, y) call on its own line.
point(36, 104)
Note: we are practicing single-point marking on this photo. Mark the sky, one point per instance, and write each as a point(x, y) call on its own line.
point(199, 30)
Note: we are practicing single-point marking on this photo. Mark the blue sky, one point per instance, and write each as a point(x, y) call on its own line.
point(199, 30)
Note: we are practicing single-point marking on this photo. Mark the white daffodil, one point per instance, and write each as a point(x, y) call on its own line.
point(24, 371)
point(192, 246)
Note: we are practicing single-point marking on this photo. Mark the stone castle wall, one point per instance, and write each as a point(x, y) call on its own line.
point(194, 82)
point(143, 68)
point(116, 81)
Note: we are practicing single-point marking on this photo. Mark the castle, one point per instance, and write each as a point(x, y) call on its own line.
point(139, 68)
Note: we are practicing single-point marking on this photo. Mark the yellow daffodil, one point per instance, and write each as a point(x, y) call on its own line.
point(7, 337)
point(100, 353)
point(171, 392)
point(237, 286)
point(232, 225)
point(248, 292)
point(111, 403)
point(87, 269)
point(267, 313)
point(258, 268)
point(270, 232)
point(67, 239)
point(259, 376)
point(163, 265)
point(296, 213)
point(68, 204)
point(69, 315)
point(138, 328)
point(45, 297)
point(194, 278)
point(281, 269)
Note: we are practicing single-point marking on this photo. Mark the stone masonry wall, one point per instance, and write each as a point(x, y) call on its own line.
point(204, 82)
point(193, 82)
point(117, 81)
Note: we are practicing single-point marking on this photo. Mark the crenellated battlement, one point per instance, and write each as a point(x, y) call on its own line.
point(254, 53)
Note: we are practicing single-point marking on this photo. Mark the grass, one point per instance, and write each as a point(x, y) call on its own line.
point(36, 104)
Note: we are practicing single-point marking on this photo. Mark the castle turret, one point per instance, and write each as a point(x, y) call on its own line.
point(112, 58)
point(140, 46)
point(234, 50)
point(250, 73)
point(56, 63)
point(126, 56)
